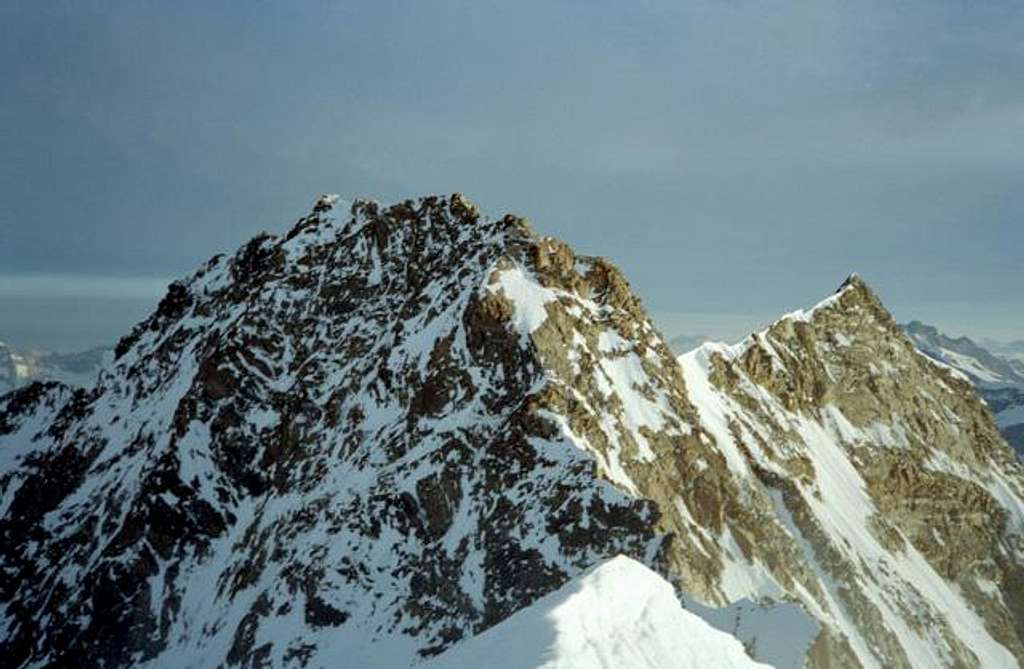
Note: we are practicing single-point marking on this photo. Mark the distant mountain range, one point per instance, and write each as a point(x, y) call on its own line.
point(998, 375)
point(79, 369)
point(1013, 350)
point(685, 343)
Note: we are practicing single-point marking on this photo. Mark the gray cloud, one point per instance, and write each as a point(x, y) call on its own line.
point(733, 157)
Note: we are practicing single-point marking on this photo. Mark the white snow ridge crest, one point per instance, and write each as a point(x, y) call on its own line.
point(618, 614)
point(404, 435)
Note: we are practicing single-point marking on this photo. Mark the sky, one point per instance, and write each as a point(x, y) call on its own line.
point(736, 159)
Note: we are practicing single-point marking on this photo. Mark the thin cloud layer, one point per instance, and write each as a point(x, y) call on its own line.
point(742, 154)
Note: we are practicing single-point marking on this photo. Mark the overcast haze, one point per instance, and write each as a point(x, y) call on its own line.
point(735, 159)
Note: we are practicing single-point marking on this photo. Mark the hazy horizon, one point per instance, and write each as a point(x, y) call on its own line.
point(101, 318)
point(736, 160)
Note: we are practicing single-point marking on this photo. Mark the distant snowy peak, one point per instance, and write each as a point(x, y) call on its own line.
point(617, 614)
point(1013, 351)
point(985, 368)
point(21, 367)
point(998, 377)
point(684, 343)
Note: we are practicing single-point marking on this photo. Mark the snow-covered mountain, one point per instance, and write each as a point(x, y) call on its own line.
point(983, 366)
point(1009, 350)
point(999, 377)
point(617, 614)
point(875, 459)
point(21, 367)
point(391, 429)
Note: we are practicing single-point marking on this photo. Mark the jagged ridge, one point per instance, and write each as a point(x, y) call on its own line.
point(888, 473)
point(345, 433)
point(392, 428)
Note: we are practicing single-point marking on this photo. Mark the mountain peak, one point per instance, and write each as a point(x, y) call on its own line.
point(414, 381)
point(853, 279)
point(848, 426)
point(857, 284)
point(326, 202)
point(843, 310)
point(392, 428)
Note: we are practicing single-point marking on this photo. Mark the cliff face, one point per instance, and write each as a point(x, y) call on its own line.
point(332, 439)
point(889, 475)
point(392, 428)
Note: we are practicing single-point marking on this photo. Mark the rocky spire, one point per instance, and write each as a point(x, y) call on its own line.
point(352, 431)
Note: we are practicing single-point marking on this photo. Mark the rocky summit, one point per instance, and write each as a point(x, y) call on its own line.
point(392, 428)
point(900, 504)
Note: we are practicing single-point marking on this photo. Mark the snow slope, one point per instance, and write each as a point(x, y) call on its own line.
point(617, 614)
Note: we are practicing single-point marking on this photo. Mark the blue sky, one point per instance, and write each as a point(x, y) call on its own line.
point(736, 159)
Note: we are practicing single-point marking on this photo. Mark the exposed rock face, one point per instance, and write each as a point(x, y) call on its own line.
point(904, 502)
point(394, 427)
point(346, 435)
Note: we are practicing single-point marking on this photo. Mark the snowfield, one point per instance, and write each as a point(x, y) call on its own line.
point(618, 614)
